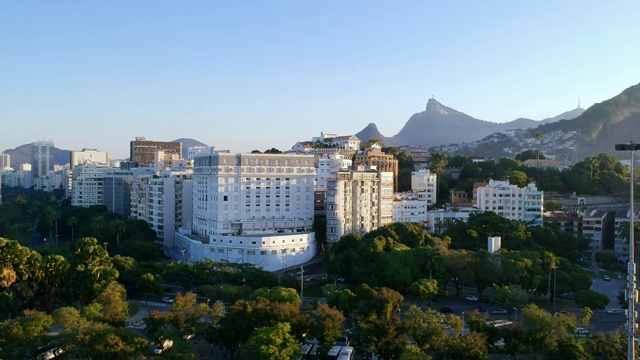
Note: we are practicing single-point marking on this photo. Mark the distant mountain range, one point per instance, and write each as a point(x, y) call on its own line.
point(441, 125)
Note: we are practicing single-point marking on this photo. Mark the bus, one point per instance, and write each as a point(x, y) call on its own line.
point(334, 352)
point(346, 353)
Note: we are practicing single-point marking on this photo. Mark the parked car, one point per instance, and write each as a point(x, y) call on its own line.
point(606, 278)
point(167, 299)
point(342, 341)
point(446, 310)
point(581, 331)
point(188, 336)
point(500, 312)
point(615, 311)
point(471, 298)
point(479, 309)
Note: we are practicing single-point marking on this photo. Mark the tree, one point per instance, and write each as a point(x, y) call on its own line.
point(117, 228)
point(274, 342)
point(470, 347)
point(91, 270)
point(115, 309)
point(424, 290)
point(22, 336)
point(518, 178)
point(277, 294)
point(72, 222)
point(591, 299)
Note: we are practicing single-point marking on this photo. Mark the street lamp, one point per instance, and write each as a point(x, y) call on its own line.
point(555, 276)
point(515, 317)
point(105, 245)
point(631, 293)
point(208, 302)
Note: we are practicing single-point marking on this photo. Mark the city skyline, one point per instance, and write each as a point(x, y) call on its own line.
point(260, 75)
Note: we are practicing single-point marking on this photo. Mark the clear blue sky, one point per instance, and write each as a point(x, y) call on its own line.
point(245, 75)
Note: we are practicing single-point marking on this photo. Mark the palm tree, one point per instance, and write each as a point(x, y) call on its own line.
point(117, 227)
point(538, 136)
point(52, 214)
point(72, 222)
point(437, 163)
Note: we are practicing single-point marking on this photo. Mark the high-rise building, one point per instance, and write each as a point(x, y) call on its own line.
point(251, 208)
point(165, 202)
point(143, 151)
point(359, 200)
point(42, 158)
point(512, 202)
point(374, 156)
point(5, 161)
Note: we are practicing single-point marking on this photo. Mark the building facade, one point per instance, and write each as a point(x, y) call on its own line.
point(407, 207)
point(165, 202)
point(253, 208)
point(358, 201)
point(42, 157)
point(424, 183)
point(5, 161)
point(383, 162)
point(143, 151)
point(511, 201)
point(88, 156)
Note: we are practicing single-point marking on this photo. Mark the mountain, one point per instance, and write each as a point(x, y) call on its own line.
point(441, 125)
point(371, 132)
point(523, 123)
point(604, 124)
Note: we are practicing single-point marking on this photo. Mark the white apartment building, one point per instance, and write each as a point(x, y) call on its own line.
point(251, 208)
point(349, 142)
point(165, 202)
point(594, 228)
point(358, 201)
point(438, 220)
point(53, 179)
point(193, 151)
point(511, 202)
point(22, 177)
point(407, 207)
point(328, 166)
point(42, 157)
point(87, 184)
point(424, 183)
point(88, 156)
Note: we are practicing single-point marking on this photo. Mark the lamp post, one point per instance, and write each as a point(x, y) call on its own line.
point(515, 317)
point(555, 273)
point(105, 245)
point(631, 293)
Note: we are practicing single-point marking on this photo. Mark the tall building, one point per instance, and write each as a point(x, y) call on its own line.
point(511, 201)
point(251, 208)
point(328, 166)
point(21, 177)
point(142, 151)
point(165, 202)
point(424, 183)
point(42, 158)
point(5, 161)
point(375, 157)
point(359, 200)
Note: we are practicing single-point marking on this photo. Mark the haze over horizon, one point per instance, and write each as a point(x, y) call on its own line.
point(257, 75)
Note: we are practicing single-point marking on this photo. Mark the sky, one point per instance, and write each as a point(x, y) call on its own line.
point(244, 75)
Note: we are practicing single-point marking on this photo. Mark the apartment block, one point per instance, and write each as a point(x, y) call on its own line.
point(511, 201)
point(42, 157)
point(143, 151)
point(5, 161)
point(358, 200)
point(424, 183)
point(88, 156)
point(165, 202)
point(251, 208)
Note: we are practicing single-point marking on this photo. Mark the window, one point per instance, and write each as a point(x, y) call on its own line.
point(263, 252)
point(274, 251)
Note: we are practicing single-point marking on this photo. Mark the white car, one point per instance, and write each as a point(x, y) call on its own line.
point(188, 336)
point(471, 298)
point(167, 299)
point(581, 331)
point(614, 311)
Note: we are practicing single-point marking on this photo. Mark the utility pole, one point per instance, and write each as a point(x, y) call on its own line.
point(631, 266)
